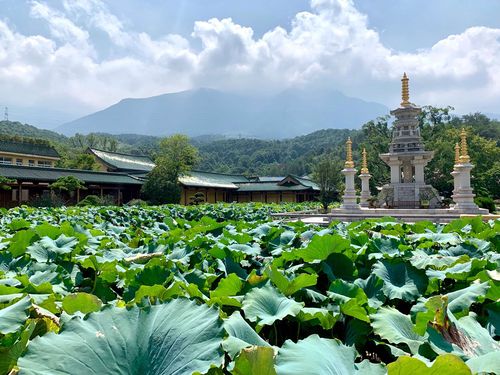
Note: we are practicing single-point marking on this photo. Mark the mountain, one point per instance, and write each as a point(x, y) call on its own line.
point(14, 128)
point(205, 111)
point(44, 118)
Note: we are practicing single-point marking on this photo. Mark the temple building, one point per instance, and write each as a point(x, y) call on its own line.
point(32, 154)
point(120, 177)
point(215, 187)
point(407, 159)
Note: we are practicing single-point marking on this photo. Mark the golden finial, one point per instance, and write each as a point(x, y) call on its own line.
point(457, 153)
point(405, 91)
point(348, 161)
point(364, 167)
point(464, 156)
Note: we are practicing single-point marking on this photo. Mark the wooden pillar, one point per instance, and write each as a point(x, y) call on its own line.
point(78, 195)
point(102, 193)
point(119, 196)
point(20, 192)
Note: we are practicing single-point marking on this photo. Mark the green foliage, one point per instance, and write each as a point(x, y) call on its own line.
point(177, 337)
point(90, 200)
point(444, 364)
point(255, 360)
point(79, 161)
point(326, 174)
point(67, 184)
point(176, 155)
point(171, 288)
point(197, 199)
point(485, 202)
point(46, 200)
point(4, 181)
point(137, 202)
point(161, 186)
point(94, 200)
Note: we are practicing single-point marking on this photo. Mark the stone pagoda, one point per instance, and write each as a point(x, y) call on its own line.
point(407, 159)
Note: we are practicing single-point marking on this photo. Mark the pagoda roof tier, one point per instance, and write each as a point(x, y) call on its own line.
point(425, 155)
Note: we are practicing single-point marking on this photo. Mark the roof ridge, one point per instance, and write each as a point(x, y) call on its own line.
point(218, 173)
point(119, 153)
point(62, 169)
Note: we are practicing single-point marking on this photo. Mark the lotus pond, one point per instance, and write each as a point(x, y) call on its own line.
point(221, 289)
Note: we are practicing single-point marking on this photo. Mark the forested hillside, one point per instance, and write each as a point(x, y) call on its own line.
point(17, 129)
point(298, 155)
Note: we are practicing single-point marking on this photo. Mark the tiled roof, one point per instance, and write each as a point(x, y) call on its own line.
point(23, 173)
point(307, 182)
point(28, 148)
point(208, 179)
point(124, 162)
point(270, 186)
point(269, 179)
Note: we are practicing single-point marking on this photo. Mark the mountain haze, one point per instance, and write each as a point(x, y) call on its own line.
point(206, 111)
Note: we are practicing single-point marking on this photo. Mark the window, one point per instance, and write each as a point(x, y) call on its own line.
point(19, 161)
point(31, 163)
point(4, 160)
point(44, 164)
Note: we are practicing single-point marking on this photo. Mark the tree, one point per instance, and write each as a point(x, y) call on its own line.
point(67, 184)
point(4, 181)
point(176, 157)
point(327, 174)
point(161, 186)
point(79, 161)
point(196, 199)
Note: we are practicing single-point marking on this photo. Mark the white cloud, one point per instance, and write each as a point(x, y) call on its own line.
point(331, 45)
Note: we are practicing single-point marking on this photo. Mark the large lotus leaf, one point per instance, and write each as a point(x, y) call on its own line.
point(318, 356)
point(255, 360)
point(229, 286)
point(290, 286)
point(179, 337)
point(48, 249)
point(485, 364)
point(396, 328)
point(318, 316)
point(241, 335)
point(372, 286)
point(439, 238)
point(464, 337)
point(462, 299)
point(457, 301)
point(351, 299)
point(20, 242)
point(444, 364)
point(401, 280)
point(384, 247)
point(459, 271)
point(83, 302)
point(12, 317)
point(421, 260)
point(338, 265)
point(494, 318)
point(321, 247)
point(266, 305)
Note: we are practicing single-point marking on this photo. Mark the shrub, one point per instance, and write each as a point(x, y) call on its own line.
point(485, 202)
point(90, 200)
point(161, 187)
point(94, 200)
point(136, 202)
point(46, 200)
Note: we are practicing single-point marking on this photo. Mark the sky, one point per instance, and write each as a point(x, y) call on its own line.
point(79, 56)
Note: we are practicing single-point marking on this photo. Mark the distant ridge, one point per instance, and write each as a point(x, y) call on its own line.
point(205, 111)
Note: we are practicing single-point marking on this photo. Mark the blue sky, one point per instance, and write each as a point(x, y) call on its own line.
point(83, 55)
